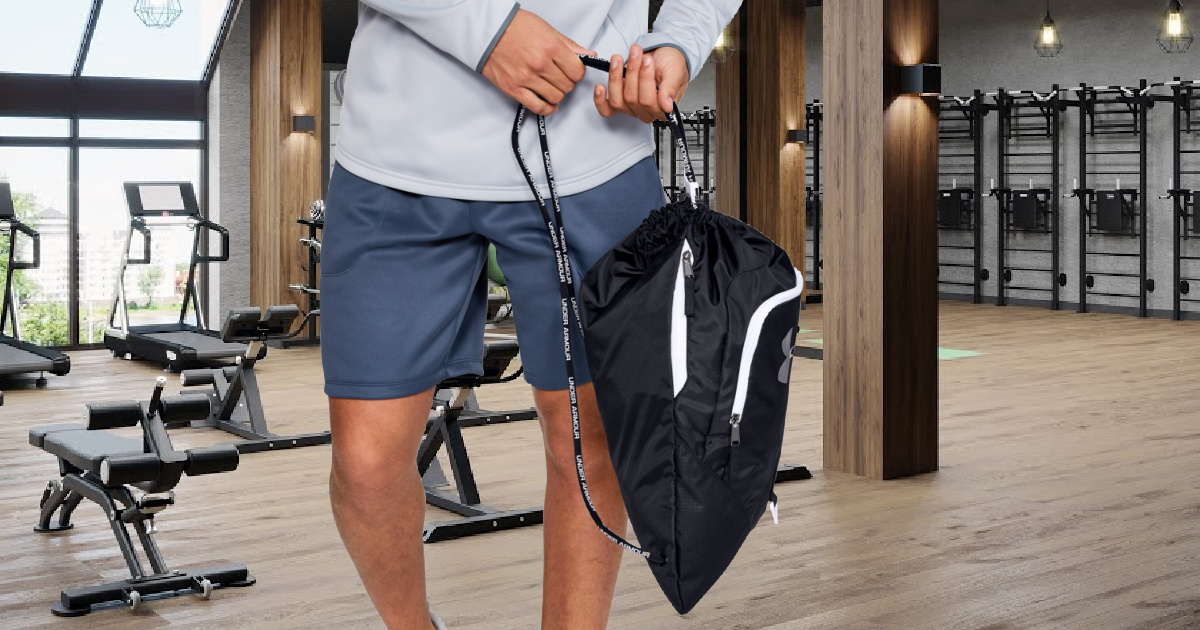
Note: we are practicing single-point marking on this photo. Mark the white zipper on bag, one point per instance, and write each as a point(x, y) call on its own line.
point(679, 373)
point(753, 331)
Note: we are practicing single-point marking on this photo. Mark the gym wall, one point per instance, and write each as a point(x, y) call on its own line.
point(229, 168)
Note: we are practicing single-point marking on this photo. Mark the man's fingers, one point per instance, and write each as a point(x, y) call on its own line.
point(556, 76)
point(669, 93)
point(568, 63)
point(648, 89)
point(633, 84)
point(616, 83)
point(602, 105)
point(534, 103)
point(548, 91)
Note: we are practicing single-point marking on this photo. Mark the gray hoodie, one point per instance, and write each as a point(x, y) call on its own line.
point(418, 116)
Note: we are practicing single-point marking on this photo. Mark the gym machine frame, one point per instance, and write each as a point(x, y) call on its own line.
point(814, 116)
point(1184, 193)
point(235, 401)
point(960, 122)
point(703, 121)
point(1028, 117)
point(1109, 111)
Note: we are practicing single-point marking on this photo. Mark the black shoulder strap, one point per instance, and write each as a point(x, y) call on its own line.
point(566, 283)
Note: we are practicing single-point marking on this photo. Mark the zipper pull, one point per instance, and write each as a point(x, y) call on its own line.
point(689, 290)
point(735, 430)
point(687, 265)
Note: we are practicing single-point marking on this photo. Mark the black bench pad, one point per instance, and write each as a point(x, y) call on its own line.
point(85, 449)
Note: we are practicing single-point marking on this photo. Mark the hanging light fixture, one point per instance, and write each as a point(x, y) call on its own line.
point(158, 13)
point(1175, 36)
point(1048, 42)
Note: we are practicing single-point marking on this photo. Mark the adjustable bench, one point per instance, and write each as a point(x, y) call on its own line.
point(132, 480)
point(452, 411)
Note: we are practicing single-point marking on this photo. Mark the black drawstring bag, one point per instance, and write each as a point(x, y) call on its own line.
point(689, 326)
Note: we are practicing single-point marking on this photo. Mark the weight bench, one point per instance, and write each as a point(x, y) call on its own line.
point(236, 405)
point(450, 414)
point(132, 480)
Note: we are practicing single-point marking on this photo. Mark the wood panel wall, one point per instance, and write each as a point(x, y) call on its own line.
point(773, 52)
point(880, 298)
point(285, 167)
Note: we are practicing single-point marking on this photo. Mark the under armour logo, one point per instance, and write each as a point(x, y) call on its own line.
point(785, 370)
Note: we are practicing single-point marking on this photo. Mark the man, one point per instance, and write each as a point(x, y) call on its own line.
point(425, 178)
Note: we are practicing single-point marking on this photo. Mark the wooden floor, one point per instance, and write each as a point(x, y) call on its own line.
point(1068, 498)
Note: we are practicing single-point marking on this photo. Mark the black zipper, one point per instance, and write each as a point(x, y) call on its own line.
point(689, 288)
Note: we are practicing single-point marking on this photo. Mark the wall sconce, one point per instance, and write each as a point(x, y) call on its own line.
point(921, 79)
point(304, 124)
point(797, 136)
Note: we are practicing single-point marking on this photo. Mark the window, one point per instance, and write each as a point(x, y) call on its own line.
point(39, 178)
point(125, 47)
point(35, 127)
point(140, 129)
point(154, 291)
point(42, 37)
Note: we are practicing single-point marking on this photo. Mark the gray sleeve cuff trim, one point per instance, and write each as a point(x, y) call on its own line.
point(499, 33)
point(676, 47)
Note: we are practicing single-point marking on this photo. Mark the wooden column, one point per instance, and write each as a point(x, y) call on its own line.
point(760, 96)
point(285, 167)
point(880, 298)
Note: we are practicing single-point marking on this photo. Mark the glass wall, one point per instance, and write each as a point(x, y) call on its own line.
point(154, 290)
point(40, 181)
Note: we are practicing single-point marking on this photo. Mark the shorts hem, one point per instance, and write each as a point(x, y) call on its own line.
point(387, 391)
point(552, 384)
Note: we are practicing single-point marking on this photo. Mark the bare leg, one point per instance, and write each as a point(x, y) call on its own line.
point(581, 564)
point(378, 502)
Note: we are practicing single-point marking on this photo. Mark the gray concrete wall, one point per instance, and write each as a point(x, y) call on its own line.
point(229, 167)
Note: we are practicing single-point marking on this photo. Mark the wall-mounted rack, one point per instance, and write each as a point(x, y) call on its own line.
point(1184, 192)
point(960, 160)
point(1029, 176)
point(1112, 146)
point(813, 117)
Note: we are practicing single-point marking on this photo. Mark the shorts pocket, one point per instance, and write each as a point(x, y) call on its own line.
point(355, 208)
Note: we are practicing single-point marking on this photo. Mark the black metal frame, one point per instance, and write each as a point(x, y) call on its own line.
point(76, 97)
point(155, 472)
point(311, 288)
point(814, 117)
point(1184, 193)
point(703, 121)
point(132, 341)
point(235, 403)
point(1024, 118)
point(960, 155)
point(1112, 111)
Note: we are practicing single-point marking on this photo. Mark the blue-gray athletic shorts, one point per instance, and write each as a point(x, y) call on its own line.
point(403, 289)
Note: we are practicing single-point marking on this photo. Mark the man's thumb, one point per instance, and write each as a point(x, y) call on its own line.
point(577, 49)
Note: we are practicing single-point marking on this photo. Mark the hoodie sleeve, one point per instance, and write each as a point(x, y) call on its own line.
point(464, 29)
point(690, 26)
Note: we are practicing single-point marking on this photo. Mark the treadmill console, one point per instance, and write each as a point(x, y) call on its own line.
point(161, 199)
point(7, 210)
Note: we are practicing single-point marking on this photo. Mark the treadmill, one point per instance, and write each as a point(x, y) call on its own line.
point(179, 345)
point(16, 356)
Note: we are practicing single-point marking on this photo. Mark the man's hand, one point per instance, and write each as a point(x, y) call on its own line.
point(650, 84)
point(535, 64)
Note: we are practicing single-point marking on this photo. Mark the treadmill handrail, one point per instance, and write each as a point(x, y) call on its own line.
point(9, 308)
point(140, 227)
point(221, 231)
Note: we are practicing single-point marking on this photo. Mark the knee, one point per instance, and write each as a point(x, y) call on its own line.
point(560, 449)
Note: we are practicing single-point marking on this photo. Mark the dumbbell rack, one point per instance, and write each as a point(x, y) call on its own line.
point(813, 118)
point(311, 288)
